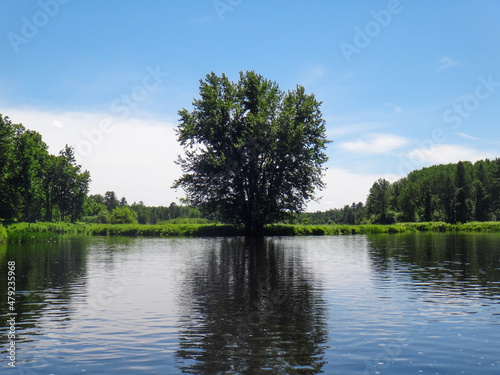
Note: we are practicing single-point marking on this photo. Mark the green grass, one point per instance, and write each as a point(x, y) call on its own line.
point(164, 230)
point(3, 234)
point(43, 232)
point(186, 220)
point(340, 229)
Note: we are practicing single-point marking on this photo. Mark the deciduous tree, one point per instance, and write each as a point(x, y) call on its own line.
point(253, 153)
point(378, 201)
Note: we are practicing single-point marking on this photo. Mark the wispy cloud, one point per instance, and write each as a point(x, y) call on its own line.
point(204, 20)
point(394, 107)
point(313, 73)
point(467, 136)
point(375, 144)
point(444, 154)
point(445, 63)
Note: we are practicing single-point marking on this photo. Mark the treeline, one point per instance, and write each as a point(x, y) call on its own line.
point(354, 214)
point(453, 193)
point(107, 208)
point(35, 185)
point(157, 214)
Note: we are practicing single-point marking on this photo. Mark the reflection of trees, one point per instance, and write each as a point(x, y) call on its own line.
point(251, 309)
point(463, 263)
point(52, 268)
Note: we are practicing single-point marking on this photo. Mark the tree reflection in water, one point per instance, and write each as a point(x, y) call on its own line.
point(457, 264)
point(46, 274)
point(252, 308)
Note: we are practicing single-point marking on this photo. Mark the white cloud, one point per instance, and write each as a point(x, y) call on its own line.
point(345, 187)
point(445, 154)
point(133, 157)
point(445, 63)
point(375, 144)
point(58, 124)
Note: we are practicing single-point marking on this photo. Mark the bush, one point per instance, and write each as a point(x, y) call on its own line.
point(101, 218)
point(123, 215)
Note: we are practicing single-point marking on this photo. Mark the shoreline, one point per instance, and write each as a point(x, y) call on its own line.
point(46, 232)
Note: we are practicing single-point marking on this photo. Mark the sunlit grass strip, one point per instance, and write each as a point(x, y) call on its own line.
point(336, 229)
point(46, 232)
point(42, 232)
point(166, 230)
point(3, 234)
point(60, 227)
point(221, 230)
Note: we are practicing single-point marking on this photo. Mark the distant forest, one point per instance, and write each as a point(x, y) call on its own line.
point(452, 193)
point(38, 186)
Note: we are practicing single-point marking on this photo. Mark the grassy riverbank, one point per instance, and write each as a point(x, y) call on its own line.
point(43, 232)
point(3, 234)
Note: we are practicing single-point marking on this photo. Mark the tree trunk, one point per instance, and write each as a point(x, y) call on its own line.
point(254, 228)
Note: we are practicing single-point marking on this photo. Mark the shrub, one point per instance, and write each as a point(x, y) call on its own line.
point(123, 215)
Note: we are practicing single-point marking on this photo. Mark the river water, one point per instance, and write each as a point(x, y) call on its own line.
point(378, 304)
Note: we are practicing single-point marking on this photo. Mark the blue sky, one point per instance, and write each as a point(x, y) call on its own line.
point(404, 84)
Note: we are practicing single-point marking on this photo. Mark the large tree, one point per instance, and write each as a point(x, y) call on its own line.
point(462, 194)
point(31, 154)
point(378, 201)
point(253, 153)
point(9, 192)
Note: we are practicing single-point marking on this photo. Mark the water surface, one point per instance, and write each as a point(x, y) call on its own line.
point(382, 304)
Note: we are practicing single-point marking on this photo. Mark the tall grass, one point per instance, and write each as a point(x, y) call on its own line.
point(3, 234)
point(341, 229)
point(24, 232)
point(186, 220)
point(165, 230)
point(42, 232)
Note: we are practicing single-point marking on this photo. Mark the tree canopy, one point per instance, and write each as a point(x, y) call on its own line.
point(123, 215)
point(35, 185)
point(253, 153)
